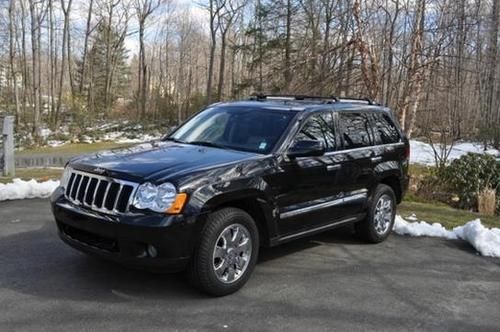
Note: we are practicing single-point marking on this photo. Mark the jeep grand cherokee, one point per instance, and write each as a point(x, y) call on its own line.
point(234, 177)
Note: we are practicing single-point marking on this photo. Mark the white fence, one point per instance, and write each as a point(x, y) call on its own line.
point(7, 161)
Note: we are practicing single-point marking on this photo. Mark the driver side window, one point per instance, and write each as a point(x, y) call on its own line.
point(319, 127)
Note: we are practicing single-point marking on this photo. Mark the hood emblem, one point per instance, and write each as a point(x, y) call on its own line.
point(99, 170)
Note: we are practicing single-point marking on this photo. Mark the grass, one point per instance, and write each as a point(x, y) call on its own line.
point(419, 170)
point(73, 148)
point(434, 211)
point(39, 174)
point(44, 174)
point(447, 216)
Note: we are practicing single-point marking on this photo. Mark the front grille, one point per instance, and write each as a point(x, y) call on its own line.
point(99, 193)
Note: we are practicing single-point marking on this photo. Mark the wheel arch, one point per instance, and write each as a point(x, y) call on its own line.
point(255, 204)
point(394, 182)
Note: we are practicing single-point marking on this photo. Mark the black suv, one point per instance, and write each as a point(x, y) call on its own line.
point(234, 177)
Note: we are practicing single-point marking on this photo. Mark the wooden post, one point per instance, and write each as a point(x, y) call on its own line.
point(8, 146)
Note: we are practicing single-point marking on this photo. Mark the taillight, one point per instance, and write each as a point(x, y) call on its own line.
point(407, 151)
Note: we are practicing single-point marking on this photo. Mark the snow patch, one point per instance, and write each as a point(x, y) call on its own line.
point(55, 143)
point(421, 228)
point(20, 189)
point(485, 240)
point(139, 139)
point(422, 153)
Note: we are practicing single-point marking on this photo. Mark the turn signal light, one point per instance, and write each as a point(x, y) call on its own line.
point(178, 204)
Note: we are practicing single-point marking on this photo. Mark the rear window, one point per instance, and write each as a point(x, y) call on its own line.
point(384, 130)
point(355, 130)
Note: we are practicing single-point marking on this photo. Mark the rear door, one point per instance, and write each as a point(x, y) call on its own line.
point(356, 159)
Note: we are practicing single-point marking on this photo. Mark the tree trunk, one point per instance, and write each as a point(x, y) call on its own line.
point(12, 57)
point(26, 75)
point(85, 47)
point(211, 57)
point(288, 46)
point(491, 112)
point(35, 59)
point(222, 66)
point(142, 70)
point(64, 57)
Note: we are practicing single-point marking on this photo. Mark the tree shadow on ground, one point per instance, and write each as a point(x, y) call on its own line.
point(36, 262)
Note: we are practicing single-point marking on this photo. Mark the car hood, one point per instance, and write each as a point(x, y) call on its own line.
point(156, 160)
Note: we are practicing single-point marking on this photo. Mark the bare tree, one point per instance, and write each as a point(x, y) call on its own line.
point(492, 113)
point(369, 61)
point(65, 56)
point(215, 8)
point(143, 10)
point(12, 56)
point(88, 31)
point(38, 10)
point(435, 62)
point(226, 18)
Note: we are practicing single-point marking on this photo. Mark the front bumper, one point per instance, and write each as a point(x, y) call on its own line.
point(126, 238)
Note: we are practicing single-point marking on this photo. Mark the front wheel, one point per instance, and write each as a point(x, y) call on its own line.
point(378, 224)
point(227, 253)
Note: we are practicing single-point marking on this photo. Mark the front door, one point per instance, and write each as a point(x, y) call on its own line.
point(308, 192)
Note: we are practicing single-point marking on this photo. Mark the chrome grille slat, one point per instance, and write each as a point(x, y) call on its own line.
point(95, 193)
point(116, 205)
point(76, 184)
point(86, 190)
point(105, 197)
point(71, 184)
point(78, 189)
point(117, 197)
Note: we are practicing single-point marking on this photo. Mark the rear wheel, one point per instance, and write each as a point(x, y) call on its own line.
point(227, 253)
point(378, 224)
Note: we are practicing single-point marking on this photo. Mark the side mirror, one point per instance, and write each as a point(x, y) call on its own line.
point(306, 148)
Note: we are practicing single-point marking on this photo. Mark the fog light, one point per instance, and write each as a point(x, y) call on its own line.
point(152, 252)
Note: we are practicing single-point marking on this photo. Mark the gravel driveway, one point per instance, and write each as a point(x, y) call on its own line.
point(327, 282)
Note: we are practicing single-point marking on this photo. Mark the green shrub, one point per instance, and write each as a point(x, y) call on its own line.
point(469, 175)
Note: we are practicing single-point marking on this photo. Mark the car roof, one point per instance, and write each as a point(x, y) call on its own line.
point(304, 105)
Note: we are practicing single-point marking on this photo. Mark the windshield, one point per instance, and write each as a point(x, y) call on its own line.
point(238, 128)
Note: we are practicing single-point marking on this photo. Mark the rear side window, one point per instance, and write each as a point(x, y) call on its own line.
point(319, 127)
point(355, 130)
point(384, 130)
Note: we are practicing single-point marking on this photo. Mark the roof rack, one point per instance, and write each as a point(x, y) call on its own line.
point(325, 99)
point(285, 97)
point(356, 100)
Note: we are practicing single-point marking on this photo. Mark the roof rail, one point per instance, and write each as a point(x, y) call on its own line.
point(325, 99)
point(357, 100)
point(285, 97)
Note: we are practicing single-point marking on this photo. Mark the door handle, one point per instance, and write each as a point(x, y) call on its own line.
point(376, 159)
point(333, 167)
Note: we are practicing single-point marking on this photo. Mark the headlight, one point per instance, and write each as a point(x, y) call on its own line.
point(65, 177)
point(162, 198)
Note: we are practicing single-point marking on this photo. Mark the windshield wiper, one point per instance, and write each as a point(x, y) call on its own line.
point(171, 139)
point(205, 143)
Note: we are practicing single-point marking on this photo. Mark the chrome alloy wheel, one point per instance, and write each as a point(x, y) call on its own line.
point(383, 214)
point(232, 253)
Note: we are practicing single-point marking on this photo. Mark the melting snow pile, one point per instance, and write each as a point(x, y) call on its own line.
point(422, 153)
point(485, 240)
point(20, 189)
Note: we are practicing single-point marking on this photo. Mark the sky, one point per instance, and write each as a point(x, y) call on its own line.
point(132, 41)
point(79, 17)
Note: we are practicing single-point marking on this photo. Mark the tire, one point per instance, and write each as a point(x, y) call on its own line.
point(377, 226)
point(230, 240)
